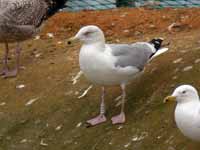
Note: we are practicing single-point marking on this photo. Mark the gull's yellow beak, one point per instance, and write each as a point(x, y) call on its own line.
point(169, 98)
point(72, 40)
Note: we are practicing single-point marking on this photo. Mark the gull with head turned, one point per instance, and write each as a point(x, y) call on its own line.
point(112, 64)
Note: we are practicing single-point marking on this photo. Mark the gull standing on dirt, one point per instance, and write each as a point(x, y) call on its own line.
point(187, 111)
point(111, 64)
point(19, 21)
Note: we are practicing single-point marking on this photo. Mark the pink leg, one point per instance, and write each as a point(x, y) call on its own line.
point(101, 117)
point(13, 73)
point(121, 117)
point(5, 60)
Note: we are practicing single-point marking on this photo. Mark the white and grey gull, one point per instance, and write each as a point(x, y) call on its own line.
point(187, 111)
point(112, 64)
point(19, 21)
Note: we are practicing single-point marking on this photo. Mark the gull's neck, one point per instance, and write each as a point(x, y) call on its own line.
point(195, 101)
point(98, 46)
point(186, 109)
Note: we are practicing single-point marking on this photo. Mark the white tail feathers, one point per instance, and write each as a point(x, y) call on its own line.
point(159, 52)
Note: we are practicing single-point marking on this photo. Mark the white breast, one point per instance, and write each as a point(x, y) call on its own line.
point(187, 118)
point(98, 66)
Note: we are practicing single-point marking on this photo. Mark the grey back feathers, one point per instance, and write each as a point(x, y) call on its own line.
point(136, 55)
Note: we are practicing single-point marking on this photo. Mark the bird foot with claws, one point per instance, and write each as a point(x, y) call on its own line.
point(118, 119)
point(3, 72)
point(10, 74)
point(97, 120)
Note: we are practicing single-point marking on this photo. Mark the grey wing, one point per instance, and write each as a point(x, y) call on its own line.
point(22, 12)
point(136, 55)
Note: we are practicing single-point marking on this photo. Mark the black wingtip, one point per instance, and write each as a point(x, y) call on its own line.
point(157, 43)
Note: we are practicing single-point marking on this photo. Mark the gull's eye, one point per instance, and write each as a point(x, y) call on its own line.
point(183, 92)
point(87, 33)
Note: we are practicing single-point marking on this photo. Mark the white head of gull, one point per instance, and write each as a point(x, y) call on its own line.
point(110, 64)
point(90, 35)
point(187, 112)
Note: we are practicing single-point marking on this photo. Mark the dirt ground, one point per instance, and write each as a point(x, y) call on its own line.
point(40, 109)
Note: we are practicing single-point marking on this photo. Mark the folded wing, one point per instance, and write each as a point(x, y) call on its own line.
point(134, 55)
